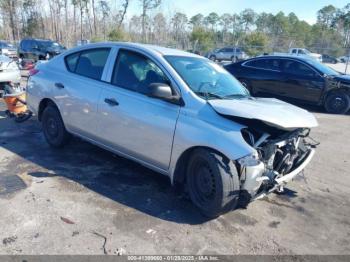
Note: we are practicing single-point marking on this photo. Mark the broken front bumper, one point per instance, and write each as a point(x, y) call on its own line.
point(254, 176)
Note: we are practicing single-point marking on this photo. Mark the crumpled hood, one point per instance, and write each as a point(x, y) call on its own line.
point(271, 111)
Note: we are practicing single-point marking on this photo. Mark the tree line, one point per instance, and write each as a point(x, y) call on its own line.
point(67, 21)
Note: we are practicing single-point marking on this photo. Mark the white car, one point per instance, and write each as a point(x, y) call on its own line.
point(177, 113)
point(9, 72)
point(305, 52)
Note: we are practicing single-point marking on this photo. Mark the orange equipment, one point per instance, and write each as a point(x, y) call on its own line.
point(16, 103)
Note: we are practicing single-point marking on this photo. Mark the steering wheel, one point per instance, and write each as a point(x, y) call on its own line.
point(202, 84)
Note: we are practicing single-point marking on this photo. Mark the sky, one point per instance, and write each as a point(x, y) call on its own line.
point(304, 9)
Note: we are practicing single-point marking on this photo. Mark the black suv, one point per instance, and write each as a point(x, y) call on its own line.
point(39, 49)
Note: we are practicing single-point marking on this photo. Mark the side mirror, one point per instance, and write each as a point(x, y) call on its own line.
point(159, 90)
point(164, 92)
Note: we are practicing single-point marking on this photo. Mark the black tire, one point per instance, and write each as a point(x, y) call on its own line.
point(212, 183)
point(212, 58)
point(54, 130)
point(337, 103)
point(234, 59)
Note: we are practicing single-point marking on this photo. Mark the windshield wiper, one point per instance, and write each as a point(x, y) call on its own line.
point(235, 96)
point(208, 95)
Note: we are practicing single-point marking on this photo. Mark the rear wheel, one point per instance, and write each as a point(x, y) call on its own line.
point(337, 103)
point(54, 130)
point(212, 182)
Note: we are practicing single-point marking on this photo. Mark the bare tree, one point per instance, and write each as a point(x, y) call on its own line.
point(146, 6)
point(94, 16)
point(10, 8)
point(104, 7)
point(123, 12)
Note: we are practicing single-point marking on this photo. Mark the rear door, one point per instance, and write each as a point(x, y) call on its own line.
point(130, 121)
point(301, 81)
point(228, 53)
point(78, 89)
point(264, 75)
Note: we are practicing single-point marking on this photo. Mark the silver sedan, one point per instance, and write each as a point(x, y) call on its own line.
point(177, 113)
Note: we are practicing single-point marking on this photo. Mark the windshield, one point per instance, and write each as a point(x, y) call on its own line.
point(207, 79)
point(323, 68)
point(305, 51)
point(5, 45)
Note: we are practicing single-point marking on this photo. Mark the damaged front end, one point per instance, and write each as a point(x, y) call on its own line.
point(280, 156)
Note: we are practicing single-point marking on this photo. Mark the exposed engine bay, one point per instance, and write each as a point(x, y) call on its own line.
point(281, 155)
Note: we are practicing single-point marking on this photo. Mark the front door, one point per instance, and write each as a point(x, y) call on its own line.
point(130, 121)
point(301, 82)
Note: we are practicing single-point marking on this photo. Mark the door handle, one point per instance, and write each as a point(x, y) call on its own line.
point(111, 101)
point(59, 85)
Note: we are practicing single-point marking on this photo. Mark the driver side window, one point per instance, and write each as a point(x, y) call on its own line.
point(136, 72)
point(296, 68)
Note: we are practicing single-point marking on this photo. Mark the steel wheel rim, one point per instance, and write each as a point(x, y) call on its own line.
point(203, 182)
point(338, 103)
point(52, 127)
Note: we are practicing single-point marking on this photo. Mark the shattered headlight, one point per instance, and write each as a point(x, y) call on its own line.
point(250, 160)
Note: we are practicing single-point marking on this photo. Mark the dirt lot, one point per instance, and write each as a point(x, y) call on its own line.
point(84, 200)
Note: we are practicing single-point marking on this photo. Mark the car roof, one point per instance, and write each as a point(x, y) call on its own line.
point(164, 51)
point(37, 39)
point(301, 58)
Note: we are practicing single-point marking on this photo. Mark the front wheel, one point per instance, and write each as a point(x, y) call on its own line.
point(337, 103)
point(212, 58)
point(212, 182)
point(54, 130)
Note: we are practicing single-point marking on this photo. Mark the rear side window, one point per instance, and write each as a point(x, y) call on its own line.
point(71, 61)
point(89, 63)
point(259, 63)
point(269, 64)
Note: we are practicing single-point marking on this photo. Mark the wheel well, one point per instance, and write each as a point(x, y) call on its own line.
point(43, 104)
point(335, 90)
point(179, 176)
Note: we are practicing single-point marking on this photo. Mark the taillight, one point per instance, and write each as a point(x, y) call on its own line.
point(33, 72)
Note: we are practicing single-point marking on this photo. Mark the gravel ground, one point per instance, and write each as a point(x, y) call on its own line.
point(84, 200)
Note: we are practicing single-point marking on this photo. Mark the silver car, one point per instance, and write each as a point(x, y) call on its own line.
point(177, 113)
point(9, 72)
point(233, 54)
point(8, 50)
